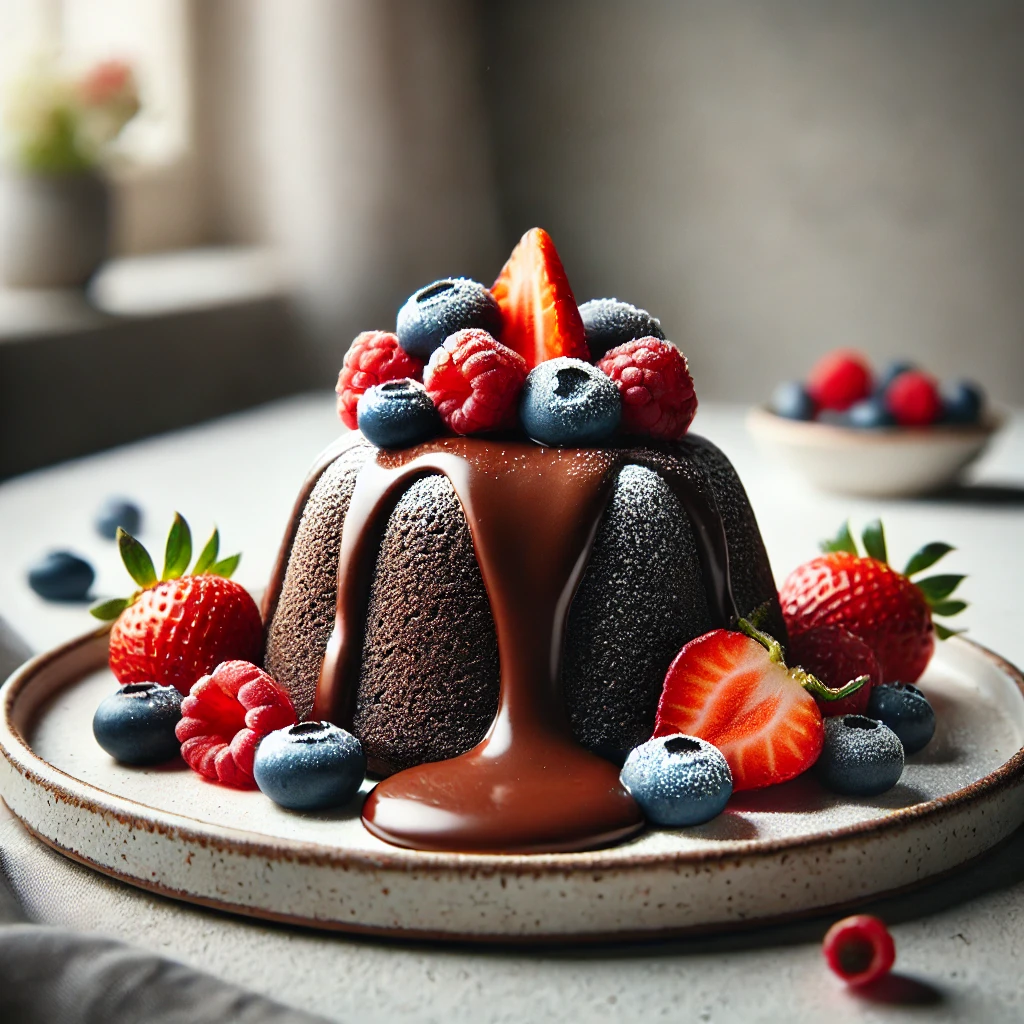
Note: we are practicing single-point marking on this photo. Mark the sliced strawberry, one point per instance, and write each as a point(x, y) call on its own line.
point(539, 314)
point(728, 689)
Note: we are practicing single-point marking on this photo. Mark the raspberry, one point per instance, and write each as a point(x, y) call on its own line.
point(373, 358)
point(475, 382)
point(656, 387)
point(859, 949)
point(913, 399)
point(225, 716)
point(839, 380)
point(836, 656)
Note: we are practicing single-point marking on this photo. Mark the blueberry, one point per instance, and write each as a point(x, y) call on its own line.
point(791, 400)
point(889, 373)
point(905, 710)
point(442, 308)
point(678, 780)
point(397, 414)
point(861, 756)
point(115, 512)
point(310, 766)
point(61, 576)
point(569, 403)
point(136, 724)
point(870, 414)
point(609, 322)
point(962, 401)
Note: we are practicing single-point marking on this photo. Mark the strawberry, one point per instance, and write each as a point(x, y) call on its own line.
point(889, 611)
point(540, 317)
point(179, 627)
point(836, 656)
point(735, 691)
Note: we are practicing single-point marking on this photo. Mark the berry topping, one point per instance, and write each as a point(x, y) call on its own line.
point(136, 724)
point(839, 379)
point(609, 323)
point(539, 315)
point(567, 402)
point(791, 401)
point(888, 610)
point(475, 382)
point(735, 691)
point(678, 780)
point(870, 414)
point(656, 387)
point(442, 308)
point(61, 576)
point(373, 358)
point(859, 949)
point(905, 710)
point(179, 627)
point(225, 716)
point(860, 757)
point(115, 512)
point(397, 414)
point(836, 656)
point(310, 767)
point(913, 399)
point(962, 402)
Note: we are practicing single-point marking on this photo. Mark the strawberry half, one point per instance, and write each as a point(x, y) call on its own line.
point(540, 319)
point(735, 691)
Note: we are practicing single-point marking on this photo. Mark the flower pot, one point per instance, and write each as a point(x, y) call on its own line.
point(54, 229)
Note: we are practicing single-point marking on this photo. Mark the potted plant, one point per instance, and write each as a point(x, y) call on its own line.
point(54, 198)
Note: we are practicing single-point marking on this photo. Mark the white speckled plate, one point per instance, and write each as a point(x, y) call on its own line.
point(784, 851)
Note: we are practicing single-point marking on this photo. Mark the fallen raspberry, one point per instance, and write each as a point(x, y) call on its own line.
point(373, 358)
point(475, 382)
point(225, 716)
point(859, 949)
point(839, 380)
point(913, 399)
point(656, 387)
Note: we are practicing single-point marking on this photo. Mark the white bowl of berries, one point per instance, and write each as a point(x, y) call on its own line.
point(893, 435)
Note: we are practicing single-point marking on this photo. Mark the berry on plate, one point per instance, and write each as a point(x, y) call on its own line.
point(397, 414)
point(609, 323)
point(735, 691)
point(373, 358)
point(859, 949)
point(678, 780)
point(310, 766)
point(61, 576)
point(836, 657)
point(860, 757)
point(913, 399)
point(658, 399)
point(839, 379)
point(178, 627)
point(115, 512)
point(891, 612)
point(962, 402)
point(870, 414)
point(136, 724)
point(567, 402)
point(791, 401)
point(540, 319)
point(905, 710)
point(442, 308)
point(224, 717)
point(474, 381)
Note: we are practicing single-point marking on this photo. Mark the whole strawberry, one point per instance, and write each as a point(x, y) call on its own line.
point(179, 627)
point(888, 610)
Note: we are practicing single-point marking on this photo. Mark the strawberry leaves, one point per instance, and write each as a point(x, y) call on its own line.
point(874, 541)
point(926, 557)
point(178, 553)
point(136, 559)
point(842, 541)
point(208, 555)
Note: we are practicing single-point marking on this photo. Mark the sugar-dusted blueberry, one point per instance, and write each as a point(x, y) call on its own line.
point(905, 710)
point(443, 308)
point(678, 780)
point(861, 756)
point(61, 576)
point(569, 403)
point(397, 414)
point(115, 512)
point(135, 725)
point(962, 402)
point(310, 766)
point(791, 400)
point(870, 414)
point(609, 323)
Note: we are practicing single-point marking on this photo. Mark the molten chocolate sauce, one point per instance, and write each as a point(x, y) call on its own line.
point(533, 513)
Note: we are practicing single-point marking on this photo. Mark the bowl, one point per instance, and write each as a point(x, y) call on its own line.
point(894, 462)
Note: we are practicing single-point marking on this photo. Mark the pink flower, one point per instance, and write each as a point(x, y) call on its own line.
point(110, 81)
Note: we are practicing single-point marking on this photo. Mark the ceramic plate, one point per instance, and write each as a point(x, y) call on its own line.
point(781, 852)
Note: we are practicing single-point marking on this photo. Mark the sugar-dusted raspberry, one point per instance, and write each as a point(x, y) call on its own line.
point(839, 380)
point(475, 382)
point(913, 399)
point(373, 358)
point(656, 387)
point(225, 716)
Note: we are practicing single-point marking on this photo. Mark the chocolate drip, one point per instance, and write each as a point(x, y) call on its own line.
point(532, 513)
